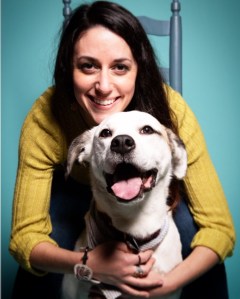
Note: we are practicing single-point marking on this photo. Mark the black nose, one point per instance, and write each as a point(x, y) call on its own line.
point(122, 144)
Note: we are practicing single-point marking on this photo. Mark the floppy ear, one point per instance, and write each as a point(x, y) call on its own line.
point(80, 149)
point(179, 155)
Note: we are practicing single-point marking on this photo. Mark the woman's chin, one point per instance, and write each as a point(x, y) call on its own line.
point(98, 118)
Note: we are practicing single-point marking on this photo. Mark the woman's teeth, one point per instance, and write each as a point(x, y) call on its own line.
point(104, 102)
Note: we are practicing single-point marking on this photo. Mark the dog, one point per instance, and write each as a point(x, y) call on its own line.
point(132, 159)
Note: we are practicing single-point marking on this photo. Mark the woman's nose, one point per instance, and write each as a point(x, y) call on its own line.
point(103, 84)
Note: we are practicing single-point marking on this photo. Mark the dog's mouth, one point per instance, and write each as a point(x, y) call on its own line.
point(128, 183)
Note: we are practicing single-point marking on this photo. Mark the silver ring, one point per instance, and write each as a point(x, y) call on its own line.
point(139, 272)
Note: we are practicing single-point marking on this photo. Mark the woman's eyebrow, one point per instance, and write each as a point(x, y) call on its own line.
point(122, 59)
point(92, 59)
point(89, 58)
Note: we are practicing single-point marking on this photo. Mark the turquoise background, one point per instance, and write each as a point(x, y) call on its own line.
point(211, 82)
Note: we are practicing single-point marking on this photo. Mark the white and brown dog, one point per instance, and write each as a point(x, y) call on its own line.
point(132, 159)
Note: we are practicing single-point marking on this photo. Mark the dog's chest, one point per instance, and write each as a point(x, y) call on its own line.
point(168, 253)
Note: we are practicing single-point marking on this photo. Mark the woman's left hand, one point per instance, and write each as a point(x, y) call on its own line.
point(166, 288)
point(196, 264)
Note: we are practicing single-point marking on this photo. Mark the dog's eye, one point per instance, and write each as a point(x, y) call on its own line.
point(105, 133)
point(147, 130)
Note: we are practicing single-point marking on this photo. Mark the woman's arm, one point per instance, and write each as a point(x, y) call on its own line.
point(41, 148)
point(207, 201)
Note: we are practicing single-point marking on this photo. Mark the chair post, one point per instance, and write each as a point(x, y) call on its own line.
point(176, 47)
point(66, 11)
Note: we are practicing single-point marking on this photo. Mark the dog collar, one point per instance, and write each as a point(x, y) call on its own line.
point(150, 242)
point(99, 222)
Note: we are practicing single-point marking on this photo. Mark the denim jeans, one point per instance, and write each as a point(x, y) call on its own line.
point(69, 203)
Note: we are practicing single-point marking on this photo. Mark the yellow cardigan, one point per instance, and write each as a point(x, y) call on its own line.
point(43, 147)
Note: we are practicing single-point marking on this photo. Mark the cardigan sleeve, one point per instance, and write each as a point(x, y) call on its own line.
point(207, 200)
point(41, 148)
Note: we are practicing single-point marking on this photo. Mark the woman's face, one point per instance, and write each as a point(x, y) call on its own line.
point(104, 74)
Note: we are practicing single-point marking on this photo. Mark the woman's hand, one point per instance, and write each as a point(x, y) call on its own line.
point(113, 263)
point(123, 265)
point(168, 286)
point(196, 264)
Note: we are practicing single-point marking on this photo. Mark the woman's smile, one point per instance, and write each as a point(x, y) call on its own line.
point(103, 102)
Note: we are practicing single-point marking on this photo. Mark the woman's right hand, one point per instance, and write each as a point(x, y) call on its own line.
point(114, 263)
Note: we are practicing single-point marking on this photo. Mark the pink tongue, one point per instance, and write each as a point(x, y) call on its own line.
point(127, 189)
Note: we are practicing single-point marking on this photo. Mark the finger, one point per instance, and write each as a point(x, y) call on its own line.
point(150, 264)
point(124, 247)
point(144, 256)
point(150, 281)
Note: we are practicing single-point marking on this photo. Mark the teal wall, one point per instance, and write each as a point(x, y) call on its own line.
point(211, 81)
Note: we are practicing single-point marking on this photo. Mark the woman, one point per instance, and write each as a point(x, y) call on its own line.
point(105, 64)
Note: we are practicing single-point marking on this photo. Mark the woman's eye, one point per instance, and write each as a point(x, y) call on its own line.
point(121, 68)
point(147, 130)
point(87, 67)
point(105, 133)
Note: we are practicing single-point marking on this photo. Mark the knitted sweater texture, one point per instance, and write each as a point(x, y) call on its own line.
point(43, 147)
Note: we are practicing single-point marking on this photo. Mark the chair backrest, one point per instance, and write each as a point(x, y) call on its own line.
point(171, 28)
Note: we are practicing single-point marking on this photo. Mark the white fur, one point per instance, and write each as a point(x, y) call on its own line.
point(143, 216)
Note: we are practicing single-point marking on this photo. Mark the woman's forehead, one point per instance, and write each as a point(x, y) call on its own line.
point(98, 41)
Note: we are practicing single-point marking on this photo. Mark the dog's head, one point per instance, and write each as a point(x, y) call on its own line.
point(129, 153)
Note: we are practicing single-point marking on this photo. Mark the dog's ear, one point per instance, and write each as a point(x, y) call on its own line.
point(179, 155)
point(80, 149)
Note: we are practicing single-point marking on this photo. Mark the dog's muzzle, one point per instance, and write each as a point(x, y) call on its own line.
point(128, 183)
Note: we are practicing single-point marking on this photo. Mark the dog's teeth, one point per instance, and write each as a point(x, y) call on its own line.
point(147, 182)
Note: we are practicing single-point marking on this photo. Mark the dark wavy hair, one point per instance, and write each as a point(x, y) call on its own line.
point(149, 95)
